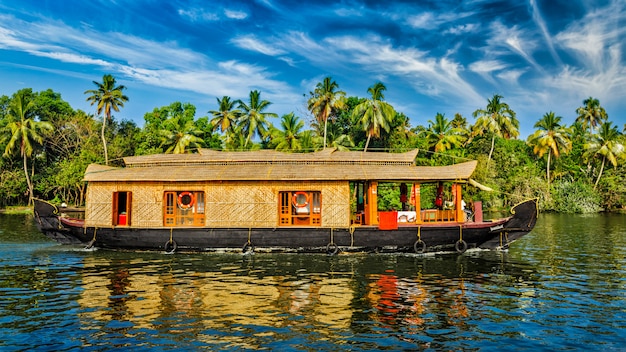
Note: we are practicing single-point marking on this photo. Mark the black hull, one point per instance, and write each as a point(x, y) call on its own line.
point(494, 234)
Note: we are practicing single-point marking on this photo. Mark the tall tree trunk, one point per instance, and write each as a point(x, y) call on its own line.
point(493, 141)
point(28, 182)
point(548, 168)
point(369, 135)
point(600, 174)
point(325, 129)
point(104, 141)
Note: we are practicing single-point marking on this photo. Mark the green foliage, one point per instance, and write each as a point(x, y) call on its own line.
point(374, 115)
point(388, 197)
point(514, 171)
point(13, 187)
point(575, 197)
point(612, 188)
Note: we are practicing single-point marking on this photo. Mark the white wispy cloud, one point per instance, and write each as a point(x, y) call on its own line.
point(428, 75)
point(487, 66)
point(72, 58)
point(541, 23)
point(515, 40)
point(162, 64)
point(425, 20)
point(252, 43)
point(433, 20)
point(462, 29)
point(198, 14)
point(596, 41)
point(235, 14)
point(511, 76)
point(486, 69)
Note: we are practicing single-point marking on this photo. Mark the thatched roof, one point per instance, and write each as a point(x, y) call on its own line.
point(214, 157)
point(269, 165)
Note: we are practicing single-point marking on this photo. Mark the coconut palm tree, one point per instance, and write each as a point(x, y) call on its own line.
point(235, 140)
point(337, 139)
point(324, 102)
point(550, 137)
point(180, 134)
point(226, 117)
point(288, 138)
point(497, 119)
point(310, 141)
point(252, 119)
point(107, 96)
point(25, 132)
point(441, 135)
point(606, 143)
point(374, 114)
point(591, 114)
point(459, 121)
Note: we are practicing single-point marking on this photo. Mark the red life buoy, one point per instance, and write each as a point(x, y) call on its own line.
point(294, 200)
point(185, 203)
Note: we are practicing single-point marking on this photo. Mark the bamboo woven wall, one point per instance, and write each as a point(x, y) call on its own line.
point(228, 204)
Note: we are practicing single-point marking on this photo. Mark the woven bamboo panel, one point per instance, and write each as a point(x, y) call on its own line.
point(99, 211)
point(228, 204)
point(336, 204)
point(147, 205)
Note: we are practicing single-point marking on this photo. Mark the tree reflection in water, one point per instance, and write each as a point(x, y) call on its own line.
point(222, 296)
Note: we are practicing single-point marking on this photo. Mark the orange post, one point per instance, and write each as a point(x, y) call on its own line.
point(417, 203)
point(458, 198)
point(371, 204)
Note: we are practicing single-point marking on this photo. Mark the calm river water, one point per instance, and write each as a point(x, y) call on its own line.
point(563, 287)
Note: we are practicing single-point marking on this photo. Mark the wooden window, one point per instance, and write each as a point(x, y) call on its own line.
point(183, 208)
point(300, 208)
point(121, 208)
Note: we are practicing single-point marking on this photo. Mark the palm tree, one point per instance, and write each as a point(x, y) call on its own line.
point(550, 137)
point(310, 141)
point(374, 114)
point(591, 114)
point(441, 134)
point(226, 117)
point(497, 119)
point(179, 134)
point(459, 121)
point(288, 139)
point(325, 101)
point(253, 119)
point(25, 132)
point(107, 96)
point(337, 139)
point(235, 140)
point(607, 144)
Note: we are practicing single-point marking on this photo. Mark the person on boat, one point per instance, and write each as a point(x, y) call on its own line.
point(468, 212)
point(403, 196)
point(439, 197)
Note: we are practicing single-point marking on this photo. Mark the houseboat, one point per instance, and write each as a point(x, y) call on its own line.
point(265, 200)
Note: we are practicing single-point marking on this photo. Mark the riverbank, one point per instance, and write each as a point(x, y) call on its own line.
point(16, 210)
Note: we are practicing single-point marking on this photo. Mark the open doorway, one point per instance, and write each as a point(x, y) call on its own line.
point(121, 208)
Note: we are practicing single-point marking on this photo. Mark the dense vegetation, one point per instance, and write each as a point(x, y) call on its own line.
point(47, 145)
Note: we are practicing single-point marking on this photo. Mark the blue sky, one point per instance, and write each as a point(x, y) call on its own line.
point(433, 56)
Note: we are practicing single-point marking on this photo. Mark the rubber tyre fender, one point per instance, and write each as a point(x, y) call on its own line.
point(332, 248)
point(460, 246)
point(248, 247)
point(419, 246)
point(170, 246)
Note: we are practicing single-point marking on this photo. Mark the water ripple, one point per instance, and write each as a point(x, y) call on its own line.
point(560, 288)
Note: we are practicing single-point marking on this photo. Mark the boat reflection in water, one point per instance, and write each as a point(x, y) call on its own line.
point(236, 301)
